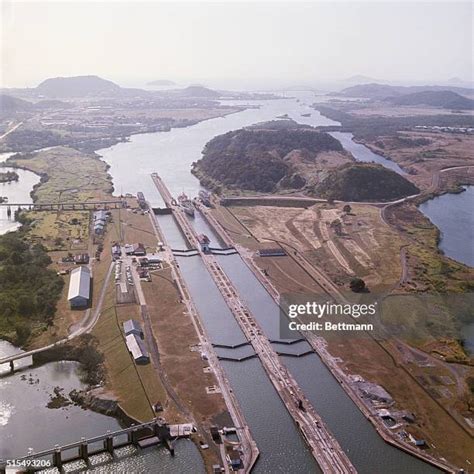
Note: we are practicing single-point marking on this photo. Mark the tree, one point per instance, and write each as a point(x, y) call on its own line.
point(357, 285)
point(347, 209)
point(26, 305)
point(337, 226)
point(23, 332)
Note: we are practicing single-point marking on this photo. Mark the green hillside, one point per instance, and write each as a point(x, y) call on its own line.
point(364, 182)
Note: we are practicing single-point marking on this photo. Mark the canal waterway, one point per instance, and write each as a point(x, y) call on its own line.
point(171, 155)
point(282, 448)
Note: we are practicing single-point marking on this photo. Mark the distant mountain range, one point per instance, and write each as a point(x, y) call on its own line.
point(161, 82)
point(359, 79)
point(10, 104)
point(78, 86)
point(384, 91)
point(95, 86)
point(445, 99)
point(200, 91)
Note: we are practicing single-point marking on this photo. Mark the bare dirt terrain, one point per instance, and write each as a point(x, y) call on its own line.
point(435, 391)
point(363, 247)
point(442, 150)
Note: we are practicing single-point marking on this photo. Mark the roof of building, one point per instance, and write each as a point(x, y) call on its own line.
point(273, 252)
point(131, 325)
point(139, 247)
point(81, 258)
point(80, 283)
point(100, 215)
point(136, 346)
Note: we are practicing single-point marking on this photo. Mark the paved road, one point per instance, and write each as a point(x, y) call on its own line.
point(11, 130)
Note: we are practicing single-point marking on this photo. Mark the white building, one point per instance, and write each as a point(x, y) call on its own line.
point(137, 348)
point(79, 287)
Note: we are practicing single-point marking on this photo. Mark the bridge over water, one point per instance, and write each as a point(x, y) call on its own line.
point(142, 435)
point(65, 206)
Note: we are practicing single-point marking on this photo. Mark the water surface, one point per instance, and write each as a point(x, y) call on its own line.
point(453, 214)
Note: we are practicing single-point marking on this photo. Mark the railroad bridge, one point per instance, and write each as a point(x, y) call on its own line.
point(64, 206)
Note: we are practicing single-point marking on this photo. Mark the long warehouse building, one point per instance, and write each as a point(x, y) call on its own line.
point(79, 287)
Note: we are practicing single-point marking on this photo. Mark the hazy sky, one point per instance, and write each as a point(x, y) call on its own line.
point(290, 42)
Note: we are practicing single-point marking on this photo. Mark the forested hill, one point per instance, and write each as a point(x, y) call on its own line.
point(253, 158)
point(364, 182)
point(443, 99)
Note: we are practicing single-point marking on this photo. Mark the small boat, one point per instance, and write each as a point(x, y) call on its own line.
point(306, 115)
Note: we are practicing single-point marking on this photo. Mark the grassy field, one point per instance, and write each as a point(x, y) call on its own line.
point(133, 386)
point(429, 270)
point(60, 230)
point(68, 175)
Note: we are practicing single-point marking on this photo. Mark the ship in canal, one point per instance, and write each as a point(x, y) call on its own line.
point(186, 204)
point(205, 198)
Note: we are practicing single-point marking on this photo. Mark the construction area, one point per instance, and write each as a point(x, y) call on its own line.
point(312, 265)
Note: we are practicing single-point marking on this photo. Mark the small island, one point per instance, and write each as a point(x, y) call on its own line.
point(8, 177)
